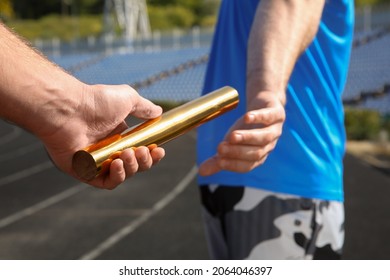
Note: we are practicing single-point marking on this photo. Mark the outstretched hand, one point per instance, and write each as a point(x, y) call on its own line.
point(101, 112)
point(251, 138)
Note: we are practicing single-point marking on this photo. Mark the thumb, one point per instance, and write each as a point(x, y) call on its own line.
point(144, 108)
point(209, 167)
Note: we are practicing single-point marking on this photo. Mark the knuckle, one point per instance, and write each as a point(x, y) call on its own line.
point(132, 169)
point(259, 154)
point(283, 116)
point(245, 137)
point(148, 112)
point(272, 146)
point(109, 186)
point(247, 167)
point(269, 137)
point(267, 118)
point(262, 161)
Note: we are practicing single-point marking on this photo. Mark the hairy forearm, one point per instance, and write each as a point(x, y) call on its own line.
point(34, 92)
point(281, 31)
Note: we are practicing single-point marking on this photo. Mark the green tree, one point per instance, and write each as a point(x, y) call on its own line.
point(6, 10)
point(35, 9)
point(370, 2)
point(170, 17)
point(362, 124)
point(201, 9)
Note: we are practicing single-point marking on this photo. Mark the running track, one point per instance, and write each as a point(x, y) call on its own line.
point(45, 214)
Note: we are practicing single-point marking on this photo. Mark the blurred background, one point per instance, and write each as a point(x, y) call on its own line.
point(161, 48)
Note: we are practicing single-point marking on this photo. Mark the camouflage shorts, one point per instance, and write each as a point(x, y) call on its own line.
point(248, 223)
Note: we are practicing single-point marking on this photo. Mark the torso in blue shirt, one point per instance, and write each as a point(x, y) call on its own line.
point(307, 160)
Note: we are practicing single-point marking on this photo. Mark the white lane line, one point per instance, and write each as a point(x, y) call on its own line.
point(41, 205)
point(16, 131)
point(21, 151)
point(122, 233)
point(25, 173)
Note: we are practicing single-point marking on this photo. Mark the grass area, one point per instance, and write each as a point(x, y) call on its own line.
point(366, 131)
point(65, 28)
point(375, 153)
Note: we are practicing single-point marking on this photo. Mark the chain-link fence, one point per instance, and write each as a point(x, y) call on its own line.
point(369, 18)
point(174, 39)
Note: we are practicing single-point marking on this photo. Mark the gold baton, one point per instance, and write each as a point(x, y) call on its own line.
point(96, 159)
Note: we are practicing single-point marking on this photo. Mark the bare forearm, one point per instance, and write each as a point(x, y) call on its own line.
point(31, 87)
point(280, 33)
point(68, 115)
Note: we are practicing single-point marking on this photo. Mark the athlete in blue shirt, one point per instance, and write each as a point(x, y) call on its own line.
point(271, 170)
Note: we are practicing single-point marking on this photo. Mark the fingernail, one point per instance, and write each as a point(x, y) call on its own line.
point(238, 137)
point(250, 117)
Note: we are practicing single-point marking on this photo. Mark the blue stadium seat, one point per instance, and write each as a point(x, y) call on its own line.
point(134, 67)
point(369, 68)
point(369, 73)
point(182, 87)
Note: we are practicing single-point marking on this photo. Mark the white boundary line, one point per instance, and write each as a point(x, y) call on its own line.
point(122, 233)
point(25, 173)
point(21, 151)
point(41, 205)
point(16, 131)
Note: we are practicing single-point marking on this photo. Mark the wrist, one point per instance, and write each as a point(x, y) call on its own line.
point(59, 102)
point(267, 92)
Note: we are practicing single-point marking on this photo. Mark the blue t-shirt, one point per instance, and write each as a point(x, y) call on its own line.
point(307, 160)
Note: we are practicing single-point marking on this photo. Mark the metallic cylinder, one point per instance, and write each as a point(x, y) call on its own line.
point(95, 159)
